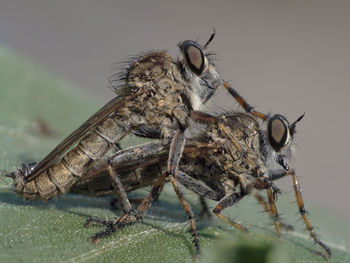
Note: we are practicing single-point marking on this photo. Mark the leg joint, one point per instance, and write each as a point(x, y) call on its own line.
point(217, 210)
point(302, 210)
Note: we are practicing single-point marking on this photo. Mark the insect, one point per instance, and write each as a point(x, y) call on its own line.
point(155, 96)
point(154, 92)
point(233, 157)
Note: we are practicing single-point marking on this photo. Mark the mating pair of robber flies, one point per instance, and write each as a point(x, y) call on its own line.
point(234, 155)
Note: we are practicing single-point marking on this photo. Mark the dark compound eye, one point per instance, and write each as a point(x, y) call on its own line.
point(194, 57)
point(278, 132)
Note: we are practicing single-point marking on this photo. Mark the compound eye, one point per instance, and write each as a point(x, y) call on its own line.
point(194, 57)
point(278, 132)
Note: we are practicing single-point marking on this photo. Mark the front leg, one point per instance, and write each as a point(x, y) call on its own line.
point(273, 209)
point(243, 102)
point(297, 189)
point(304, 216)
point(227, 201)
point(267, 209)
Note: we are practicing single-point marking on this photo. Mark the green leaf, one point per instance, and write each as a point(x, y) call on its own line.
point(54, 232)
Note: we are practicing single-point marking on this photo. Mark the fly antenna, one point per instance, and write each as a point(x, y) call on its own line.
point(210, 39)
point(292, 127)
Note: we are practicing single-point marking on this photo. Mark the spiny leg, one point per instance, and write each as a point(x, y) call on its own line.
point(202, 190)
point(141, 210)
point(229, 200)
point(124, 219)
point(129, 156)
point(138, 201)
point(137, 154)
point(119, 189)
point(197, 187)
point(151, 197)
point(273, 210)
point(279, 174)
point(243, 102)
point(266, 207)
point(175, 153)
point(188, 211)
point(303, 213)
point(192, 184)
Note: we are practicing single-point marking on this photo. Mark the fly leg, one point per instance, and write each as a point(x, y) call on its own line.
point(185, 180)
point(302, 209)
point(273, 210)
point(129, 156)
point(303, 213)
point(125, 218)
point(151, 197)
point(202, 190)
point(175, 153)
point(227, 201)
point(138, 201)
point(266, 207)
point(197, 187)
point(243, 102)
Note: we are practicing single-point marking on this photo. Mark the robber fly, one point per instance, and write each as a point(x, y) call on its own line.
point(232, 158)
point(154, 93)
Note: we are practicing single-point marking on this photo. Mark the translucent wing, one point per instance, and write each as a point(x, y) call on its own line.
point(75, 136)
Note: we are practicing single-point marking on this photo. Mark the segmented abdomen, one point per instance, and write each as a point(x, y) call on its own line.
point(61, 176)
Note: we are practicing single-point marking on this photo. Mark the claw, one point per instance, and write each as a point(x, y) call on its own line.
point(91, 220)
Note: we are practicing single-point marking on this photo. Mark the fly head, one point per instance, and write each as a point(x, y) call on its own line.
point(199, 71)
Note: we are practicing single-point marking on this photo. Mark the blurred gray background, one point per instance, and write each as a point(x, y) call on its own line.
point(285, 57)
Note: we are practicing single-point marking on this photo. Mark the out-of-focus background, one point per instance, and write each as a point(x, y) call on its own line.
point(285, 57)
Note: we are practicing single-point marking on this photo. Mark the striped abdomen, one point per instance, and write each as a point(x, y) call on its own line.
point(61, 176)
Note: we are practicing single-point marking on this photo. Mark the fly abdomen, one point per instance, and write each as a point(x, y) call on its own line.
point(42, 187)
point(112, 131)
point(29, 190)
point(74, 164)
point(61, 176)
point(46, 188)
